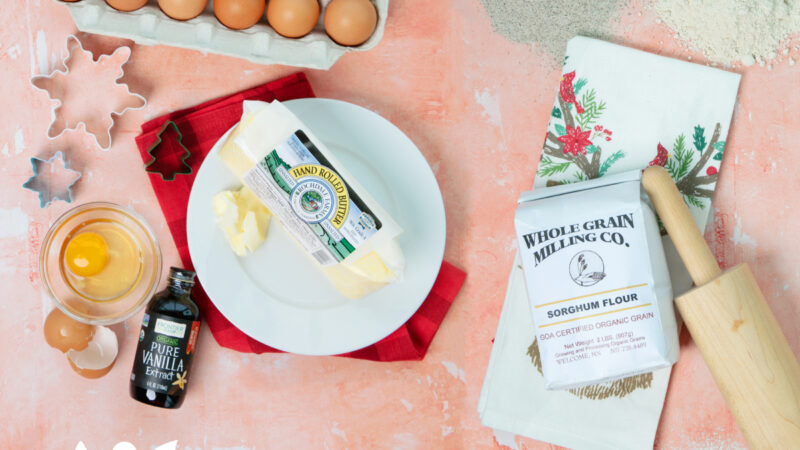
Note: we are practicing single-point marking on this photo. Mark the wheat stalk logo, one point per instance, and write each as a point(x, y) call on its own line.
point(587, 268)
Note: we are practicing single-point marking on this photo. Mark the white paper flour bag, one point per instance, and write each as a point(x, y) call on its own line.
point(597, 281)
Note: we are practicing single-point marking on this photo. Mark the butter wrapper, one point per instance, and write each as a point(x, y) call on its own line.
point(315, 198)
point(597, 281)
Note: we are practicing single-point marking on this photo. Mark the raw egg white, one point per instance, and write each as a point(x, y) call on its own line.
point(350, 22)
point(182, 9)
point(103, 261)
point(293, 18)
point(239, 14)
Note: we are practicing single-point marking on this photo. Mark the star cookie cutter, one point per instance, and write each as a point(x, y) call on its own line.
point(88, 92)
point(164, 159)
point(53, 182)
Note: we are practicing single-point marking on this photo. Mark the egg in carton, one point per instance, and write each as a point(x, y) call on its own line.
point(259, 43)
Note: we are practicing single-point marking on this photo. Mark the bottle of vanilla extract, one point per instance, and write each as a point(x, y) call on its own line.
point(166, 344)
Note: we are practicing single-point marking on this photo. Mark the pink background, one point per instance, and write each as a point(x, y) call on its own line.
point(477, 106)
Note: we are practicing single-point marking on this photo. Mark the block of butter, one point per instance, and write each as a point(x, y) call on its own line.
point(243, 219)
point(313, 196)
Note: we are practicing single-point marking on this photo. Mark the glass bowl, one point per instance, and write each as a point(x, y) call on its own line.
point(65, 287)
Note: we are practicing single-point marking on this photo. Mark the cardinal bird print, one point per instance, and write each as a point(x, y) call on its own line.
point(568, 92)
point(661, 156)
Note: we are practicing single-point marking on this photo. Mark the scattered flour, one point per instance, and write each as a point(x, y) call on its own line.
point(731, 31)
point(550, 24)
point(739, 236)
point(41, 53)
point(491, 107)
point(338, 431)
point(19, 142)
point(454, 370)
point(14, 223)
point(505, 438)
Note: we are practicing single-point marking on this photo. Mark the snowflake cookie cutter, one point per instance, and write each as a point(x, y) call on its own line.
point(53, 183)
point(86, 102)
point(168, 165)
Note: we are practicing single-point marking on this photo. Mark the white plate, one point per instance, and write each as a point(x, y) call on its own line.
point(277, 295)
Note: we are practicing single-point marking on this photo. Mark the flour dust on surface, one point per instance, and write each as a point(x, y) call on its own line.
point(549, 24)
point(734, 31)
point(726, 32)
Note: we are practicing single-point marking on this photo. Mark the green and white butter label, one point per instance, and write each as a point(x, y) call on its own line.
point(311, 200)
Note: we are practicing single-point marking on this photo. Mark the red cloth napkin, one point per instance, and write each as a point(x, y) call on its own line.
point(199, 128)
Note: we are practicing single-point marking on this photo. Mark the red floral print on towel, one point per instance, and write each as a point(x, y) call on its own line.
point(575, 141)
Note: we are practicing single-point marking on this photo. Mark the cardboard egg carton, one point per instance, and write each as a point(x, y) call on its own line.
point(259, 43)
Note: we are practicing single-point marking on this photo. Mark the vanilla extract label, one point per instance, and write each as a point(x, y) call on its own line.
point(164, 354)
point(597, 282)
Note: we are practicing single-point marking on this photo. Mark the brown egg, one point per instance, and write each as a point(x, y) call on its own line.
point(182, 9)
point(293, 18)
point(350, 22)
point(65, 333)
point(239, 14)
point(126, 5)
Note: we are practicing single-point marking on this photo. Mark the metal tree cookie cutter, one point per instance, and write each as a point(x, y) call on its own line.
point(165, 160)
point(53, 182)
point(88, 92)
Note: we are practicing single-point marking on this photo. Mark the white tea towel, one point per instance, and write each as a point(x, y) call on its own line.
point(514, 398)
point(617, 109)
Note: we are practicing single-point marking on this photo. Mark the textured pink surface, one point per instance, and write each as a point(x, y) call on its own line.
point(477, 106)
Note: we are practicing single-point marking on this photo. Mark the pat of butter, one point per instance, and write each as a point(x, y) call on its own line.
point(356, 260)
point(243, 219)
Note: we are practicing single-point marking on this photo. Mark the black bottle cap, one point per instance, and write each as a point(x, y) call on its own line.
point(182, 275)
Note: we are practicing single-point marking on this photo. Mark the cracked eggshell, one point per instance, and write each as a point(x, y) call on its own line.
point(65, 333)
point(98, 357)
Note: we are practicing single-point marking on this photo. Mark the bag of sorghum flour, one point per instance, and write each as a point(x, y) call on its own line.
point(597, 281)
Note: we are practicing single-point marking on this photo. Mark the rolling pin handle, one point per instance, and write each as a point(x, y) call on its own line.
point(680, 225)
point(732, 325)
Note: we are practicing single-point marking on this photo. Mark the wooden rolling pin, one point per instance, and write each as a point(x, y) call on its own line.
point(734, 329)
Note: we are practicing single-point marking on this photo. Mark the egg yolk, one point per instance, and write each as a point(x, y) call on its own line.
point(87, 254)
